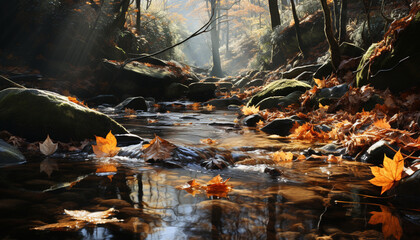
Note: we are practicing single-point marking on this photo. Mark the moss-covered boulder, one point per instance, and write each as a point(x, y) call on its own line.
point(34, 114)
point(396, 68)
point(280, 101)
point(281, 87)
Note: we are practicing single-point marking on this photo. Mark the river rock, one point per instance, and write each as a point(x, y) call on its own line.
point(254, 83)
point(326, 95)
point(375, 153)
point(280, 127)
point(202, 91)
point(211, 79)
point(241, 82)
point(408, 190)
point(294, 72)
point(176, 91)
point(224, 102)
point(252, 120)
point(128, 139)
point(10, 155)
point(34, 114)
point(102, 99)
point(397, 69)
point(281, 87)
point(280, 102)
point(136, 103)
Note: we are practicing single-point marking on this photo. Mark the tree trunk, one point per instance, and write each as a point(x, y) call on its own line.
point(297, 28)
point(217, 67)
point(138, 20)
point(334, 48)
point(343, 22)
point(275, 21)
point(227, 34)
point(120, 19)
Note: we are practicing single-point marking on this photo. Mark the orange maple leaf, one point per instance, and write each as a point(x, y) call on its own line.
point(390, 222)
point(106, 147)
point(281, 156)
point(74, 100)
point(109, 170)
point(192, 187)
point(217, 187)
point(250, 110)
point(382, 123)
point(158, 149)
point(391, 172)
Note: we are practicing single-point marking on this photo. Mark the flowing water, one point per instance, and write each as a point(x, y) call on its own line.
point(294, 200)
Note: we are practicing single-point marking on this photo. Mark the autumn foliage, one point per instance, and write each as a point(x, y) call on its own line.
point(387, 176)
point(106, 147)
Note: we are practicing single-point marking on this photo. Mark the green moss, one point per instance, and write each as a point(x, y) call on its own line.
point(281, 87)
point(34, 114)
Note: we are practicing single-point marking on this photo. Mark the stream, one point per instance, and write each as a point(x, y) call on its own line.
point(294, 200)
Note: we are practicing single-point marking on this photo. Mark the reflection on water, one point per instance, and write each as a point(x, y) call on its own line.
point(309, 199)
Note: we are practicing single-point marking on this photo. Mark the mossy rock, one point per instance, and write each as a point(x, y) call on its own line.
point(280, 101)
point(397, 69)
point(34, 114)
point(281, 87)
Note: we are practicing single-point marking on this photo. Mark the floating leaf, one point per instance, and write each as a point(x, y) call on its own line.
point(158, 149)
point(108, 169)
point(208, 141)
point(390, 223)
point(281, 156)
point(192, 187)
point(250, 110)
point(217, 187)
point(209, 107)
point(106, 147)
point(48, 166)
point(194, 106)
point(391, 172)
point(48, 147)
point(93, 217)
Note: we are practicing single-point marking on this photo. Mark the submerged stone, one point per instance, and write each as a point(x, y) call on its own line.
point(280, 127)
point(280, 101)
point(34, 114)
point(136, 103)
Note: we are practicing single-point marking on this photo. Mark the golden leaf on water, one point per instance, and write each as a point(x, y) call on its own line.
point(387, 176)
point(48, 147)
point(250, 110)
point(192, 187)
point(281, 156)
point(106, 147)
point(107, 169)
point(217, 187)
point(390, 223)
point(208, 141)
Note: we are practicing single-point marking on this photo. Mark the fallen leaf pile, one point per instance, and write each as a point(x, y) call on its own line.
point(106, 147)
point(216, 187)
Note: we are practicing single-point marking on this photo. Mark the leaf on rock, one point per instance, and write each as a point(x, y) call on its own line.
point(217, 187)
point(390, 223)
point(48, 147)
point(250, 110)
point(106, 147)
point(158, 149)
point(391, 172)
point(48, 166)
point(74, 100)
point(281, 156)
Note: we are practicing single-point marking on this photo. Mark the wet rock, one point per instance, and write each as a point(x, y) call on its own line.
point(280, 127)
point(10, 155)
point(128, 139)
point(136, 103)
point(211, 79)
point(201, 91)
point(297, 71)
point(280, 102)
point(252, 120)
point(224, 102)
point(241, 82)
point(324, 71)
point(225, 85)
point(102, 99)
point(273, 171)
point(408, 190)
point(34, 114)
point(176, 91)
point(326, 95)
point(396, 69)
point(254, 83)
point(281, 87)
point(375, 153)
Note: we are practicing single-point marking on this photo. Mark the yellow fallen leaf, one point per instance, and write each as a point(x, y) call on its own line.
point(382, 123)
point(106, 147)
point(387, 176)
point(250, 110)
point(281, 156)
point(217, 187)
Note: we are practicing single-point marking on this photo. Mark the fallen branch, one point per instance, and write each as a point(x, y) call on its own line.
point(11, 82)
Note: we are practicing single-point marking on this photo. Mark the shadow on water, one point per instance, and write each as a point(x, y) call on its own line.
point(307, 200)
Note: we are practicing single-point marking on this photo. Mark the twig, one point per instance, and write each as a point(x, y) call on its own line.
point(11, 82)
